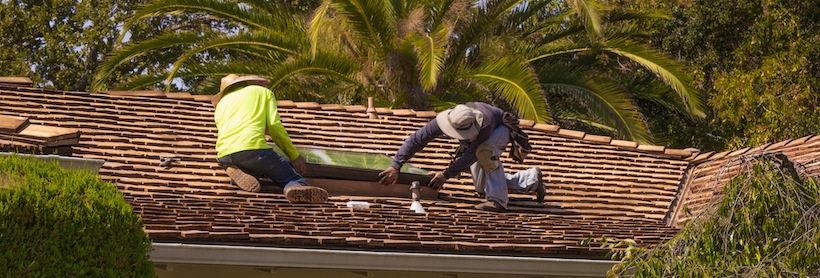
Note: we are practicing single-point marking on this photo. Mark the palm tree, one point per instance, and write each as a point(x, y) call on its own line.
point(399, 51)
point(421, 53)
point(253, 37)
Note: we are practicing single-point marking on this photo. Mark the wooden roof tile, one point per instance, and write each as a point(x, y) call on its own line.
point(571, 133)
point(546, 128)
point(622, 143)
point(13, 124)
point(137, 93)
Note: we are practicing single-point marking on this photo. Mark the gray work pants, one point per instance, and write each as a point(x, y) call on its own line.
point(496, 184)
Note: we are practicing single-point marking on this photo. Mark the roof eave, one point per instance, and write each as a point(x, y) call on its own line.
point(66, 162)
point(170, 253)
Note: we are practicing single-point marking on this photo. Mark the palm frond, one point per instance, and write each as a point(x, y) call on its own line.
point(430, 50)
point(439, 104)
point(143, 81)
point(553, 24)
point(547, 51)
point(403, 8)
point(373, 21)
point(241, 14)
point(438, 10)
point(324, 63)
point(666, 69)
point(481, 22)
point(125, 54)
point(625, 15)
point(514, 80)
point(251, 43)
point(514, 21)
point(609, 102)
point(591, 17)
point(271, 7)
point(317, 22)
point(464, 93)
point(564, 114)
point(561, 33)
point(627, 30)
point(189, 69)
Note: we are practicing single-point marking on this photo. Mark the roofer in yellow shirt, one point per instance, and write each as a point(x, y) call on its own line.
point(245, 109)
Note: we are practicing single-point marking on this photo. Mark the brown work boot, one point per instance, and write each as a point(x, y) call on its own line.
point(306, 194)
point(244, 180)
point(540, 188)
point(491, 206)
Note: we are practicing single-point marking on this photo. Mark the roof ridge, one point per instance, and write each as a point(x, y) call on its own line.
point(746, 150)
point(158, 93)
point(602, 139)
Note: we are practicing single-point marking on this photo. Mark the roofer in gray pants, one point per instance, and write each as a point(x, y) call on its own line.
point(480, 129)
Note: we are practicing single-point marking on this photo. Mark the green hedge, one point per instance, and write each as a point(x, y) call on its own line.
point(62, 223)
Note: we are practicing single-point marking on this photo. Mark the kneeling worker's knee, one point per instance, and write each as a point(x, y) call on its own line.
point(487, 158)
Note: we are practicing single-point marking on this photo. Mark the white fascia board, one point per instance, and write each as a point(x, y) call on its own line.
point(169, 253)
point(66, 162)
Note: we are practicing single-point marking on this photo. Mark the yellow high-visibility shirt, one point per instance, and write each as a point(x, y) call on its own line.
point(243, 115)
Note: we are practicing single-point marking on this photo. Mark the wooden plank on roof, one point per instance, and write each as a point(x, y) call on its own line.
point(54, 136)
point(13, 124)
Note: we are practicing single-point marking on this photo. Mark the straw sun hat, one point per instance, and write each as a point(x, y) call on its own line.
point(232, 79)
point(460, 122)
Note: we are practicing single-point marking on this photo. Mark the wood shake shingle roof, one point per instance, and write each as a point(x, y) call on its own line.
point(710, 172)
point(596, 186)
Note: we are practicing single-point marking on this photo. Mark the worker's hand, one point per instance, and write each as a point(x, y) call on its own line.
point(438, 180)
point(389, 176)
point(299, 165)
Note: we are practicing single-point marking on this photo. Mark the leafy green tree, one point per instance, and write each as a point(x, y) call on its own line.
point(57, 43)
point(60, 44)
point(757, 61)
point(770, 92)
point(766, 225)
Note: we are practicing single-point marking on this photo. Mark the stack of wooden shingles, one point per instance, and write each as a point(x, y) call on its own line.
point(17, 134)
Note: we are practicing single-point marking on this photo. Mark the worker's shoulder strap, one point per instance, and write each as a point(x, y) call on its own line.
point(519, 140)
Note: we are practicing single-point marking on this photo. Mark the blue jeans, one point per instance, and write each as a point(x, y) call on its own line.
point(496, 184)
point(264, 163)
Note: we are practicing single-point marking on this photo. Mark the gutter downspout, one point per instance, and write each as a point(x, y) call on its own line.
point(170, 253)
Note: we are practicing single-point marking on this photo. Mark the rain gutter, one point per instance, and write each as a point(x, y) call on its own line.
point(67, 162)
point(170, 253)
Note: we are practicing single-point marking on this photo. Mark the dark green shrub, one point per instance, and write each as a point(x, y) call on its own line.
point(61, 223)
